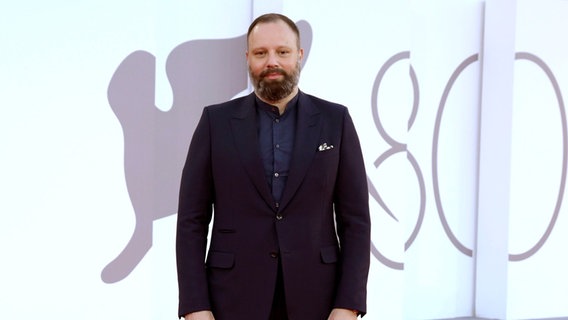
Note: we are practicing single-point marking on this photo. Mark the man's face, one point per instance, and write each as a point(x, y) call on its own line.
point(274, 60)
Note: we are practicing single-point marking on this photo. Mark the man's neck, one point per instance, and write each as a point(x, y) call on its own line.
point(282, 103)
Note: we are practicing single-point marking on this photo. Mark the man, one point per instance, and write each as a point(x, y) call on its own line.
point(284, 175)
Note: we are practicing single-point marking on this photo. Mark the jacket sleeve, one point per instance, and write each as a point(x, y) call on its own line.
point(351, 201)
point(194, 215)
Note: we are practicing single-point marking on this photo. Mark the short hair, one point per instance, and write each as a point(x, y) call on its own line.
point(274, 17)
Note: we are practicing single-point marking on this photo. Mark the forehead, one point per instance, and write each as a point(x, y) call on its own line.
point(271, 34)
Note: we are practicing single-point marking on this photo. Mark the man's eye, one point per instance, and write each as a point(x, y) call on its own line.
point(284, 52)
point(259, 54)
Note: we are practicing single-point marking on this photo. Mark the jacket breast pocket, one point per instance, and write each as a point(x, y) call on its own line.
point(326, 159)
point(327, 153)
point(218, 259)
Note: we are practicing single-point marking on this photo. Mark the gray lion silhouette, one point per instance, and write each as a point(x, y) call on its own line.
point(200, 72)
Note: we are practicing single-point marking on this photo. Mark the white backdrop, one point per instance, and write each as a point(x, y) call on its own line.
point(410, 73)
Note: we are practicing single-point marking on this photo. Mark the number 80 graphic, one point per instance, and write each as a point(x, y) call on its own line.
point(398, 147)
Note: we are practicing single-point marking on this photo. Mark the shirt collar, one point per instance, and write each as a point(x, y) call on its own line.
point(273, 110)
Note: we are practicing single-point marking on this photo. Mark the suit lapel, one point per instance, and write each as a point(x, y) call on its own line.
point(244, 130)
point(308, 128)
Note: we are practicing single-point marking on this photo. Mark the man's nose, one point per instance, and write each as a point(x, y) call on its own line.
point(272, 60)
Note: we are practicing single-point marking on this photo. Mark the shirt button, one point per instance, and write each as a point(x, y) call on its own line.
point(276, 174)
point(277, 120)
point(274, 254)
point(277, 146)
point(279, 217)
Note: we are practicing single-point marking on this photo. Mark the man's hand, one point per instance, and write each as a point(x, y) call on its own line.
point(199, 315)
point(342, 314)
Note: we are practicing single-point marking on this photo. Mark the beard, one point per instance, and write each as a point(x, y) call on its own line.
point(275, 90)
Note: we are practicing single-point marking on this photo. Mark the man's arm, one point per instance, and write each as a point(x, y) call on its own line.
point(194, 215)
point(351, 201)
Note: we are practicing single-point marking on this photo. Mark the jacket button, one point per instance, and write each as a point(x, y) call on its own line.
point(279, 217)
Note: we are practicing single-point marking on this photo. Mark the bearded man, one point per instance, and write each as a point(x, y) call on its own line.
point(281, 175)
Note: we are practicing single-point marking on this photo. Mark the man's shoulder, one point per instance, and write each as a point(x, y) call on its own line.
point(230, 103)
point(322, 104)
point(227, 106)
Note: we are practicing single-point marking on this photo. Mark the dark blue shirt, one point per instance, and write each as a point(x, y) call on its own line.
point(276, 136)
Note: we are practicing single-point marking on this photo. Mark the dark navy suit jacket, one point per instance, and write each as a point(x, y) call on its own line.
point(320, 231)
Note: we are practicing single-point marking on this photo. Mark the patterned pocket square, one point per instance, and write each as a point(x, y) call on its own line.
point(324, 147)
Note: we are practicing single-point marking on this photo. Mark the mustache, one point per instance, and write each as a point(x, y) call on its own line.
point(273, 70)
